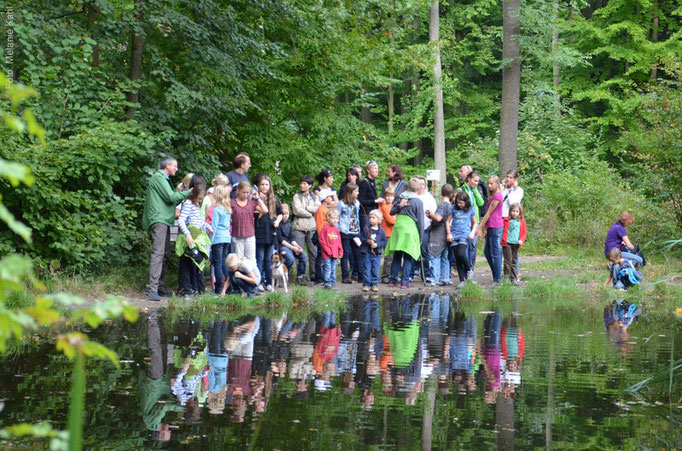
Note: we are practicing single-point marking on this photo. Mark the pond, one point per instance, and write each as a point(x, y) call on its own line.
point(403, 372)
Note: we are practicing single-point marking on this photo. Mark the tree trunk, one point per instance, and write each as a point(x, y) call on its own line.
point(93, 13)
point(504, 415)
point(511, 85)
point(549, 418)
point(135, 59)
point(427, 420)
point(390, 107)
point(556, 71)
point(438, 121)
point(418, 142)
point(654, 38)
point(404, 109)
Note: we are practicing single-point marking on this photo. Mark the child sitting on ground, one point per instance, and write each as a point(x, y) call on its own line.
point(622, 272)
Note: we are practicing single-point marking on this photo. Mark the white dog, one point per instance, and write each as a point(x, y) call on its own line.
point(280, 273)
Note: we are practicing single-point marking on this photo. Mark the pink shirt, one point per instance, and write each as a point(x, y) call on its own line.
point(495, 219)
point(242, 218)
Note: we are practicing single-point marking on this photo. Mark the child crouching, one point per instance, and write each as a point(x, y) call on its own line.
point(621, 272)
point(373, 242)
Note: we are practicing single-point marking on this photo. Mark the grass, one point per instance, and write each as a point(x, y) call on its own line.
point(299, 302)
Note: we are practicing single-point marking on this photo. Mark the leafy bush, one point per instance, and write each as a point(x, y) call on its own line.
point(84, 204)
point(577, 208)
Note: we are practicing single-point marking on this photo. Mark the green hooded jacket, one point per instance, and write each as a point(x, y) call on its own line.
point(159, 205)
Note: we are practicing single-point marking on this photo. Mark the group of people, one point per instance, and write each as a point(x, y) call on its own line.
point(230, 367)
point(238, 227)
point(624, 257)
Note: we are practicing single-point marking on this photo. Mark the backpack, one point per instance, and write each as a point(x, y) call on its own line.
point(629, 276)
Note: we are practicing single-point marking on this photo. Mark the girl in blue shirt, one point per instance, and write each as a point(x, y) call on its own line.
point(462, 229)
point(220, 243)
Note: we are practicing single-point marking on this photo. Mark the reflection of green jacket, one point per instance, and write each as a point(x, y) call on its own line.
point(159, 205)
point(151, 392)
point(403, 343)
point(201, 241)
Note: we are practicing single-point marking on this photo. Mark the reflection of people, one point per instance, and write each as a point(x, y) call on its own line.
point(492, 353)
point(618, 317)
point(183, 386)
point(155, 392)
point(513, 343)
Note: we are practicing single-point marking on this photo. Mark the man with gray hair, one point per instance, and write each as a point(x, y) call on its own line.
point(158, 217)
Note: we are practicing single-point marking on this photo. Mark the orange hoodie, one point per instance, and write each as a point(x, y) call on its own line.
point(389, 220)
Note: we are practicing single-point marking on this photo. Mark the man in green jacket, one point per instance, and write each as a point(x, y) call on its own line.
point(158, 217)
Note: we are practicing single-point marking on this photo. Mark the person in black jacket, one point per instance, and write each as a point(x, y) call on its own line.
point(289, 248)
point(373, 240)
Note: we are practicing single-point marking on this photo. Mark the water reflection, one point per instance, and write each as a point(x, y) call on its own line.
point(400, 372)
point(618, 317)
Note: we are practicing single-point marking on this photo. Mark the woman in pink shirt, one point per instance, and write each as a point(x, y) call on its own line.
point(492, 222)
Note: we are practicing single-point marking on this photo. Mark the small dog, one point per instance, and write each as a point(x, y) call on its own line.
point(280, 273)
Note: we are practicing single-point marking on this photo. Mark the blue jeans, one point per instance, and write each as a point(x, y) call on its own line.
point(440, 267)
point(289, 258)
point(240, 285)
point(407, 267)
point(428, 274)
point(264, 260)
point(493, 251)
point(372, 265)
point(472, 252)
point(351, 255)
point(329, 271)
point(636, 259)
point(218, 255)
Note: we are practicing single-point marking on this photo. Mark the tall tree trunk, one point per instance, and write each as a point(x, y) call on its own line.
point(549, 419)
point(504, 415)
point(135, 59)
point(654, 38)
point(391, 106)
point(511, 85)
point(418, 142)
point(438, 121)
point(427, 420)
point(556, 71)
point(404, 109)
point(93, 13)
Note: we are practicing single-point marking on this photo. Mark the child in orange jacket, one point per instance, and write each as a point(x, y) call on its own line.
point(513, 237)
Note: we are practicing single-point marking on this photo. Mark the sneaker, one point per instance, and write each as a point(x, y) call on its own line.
point(406, 286)
point(375, 288)
point(470, 275)
point(328, 286)
point(391, 284)
point(431, 284)
point(153, 296)
point(461, 284)
point(301, 281)
point(261, 288)
point(346, 280)
point(268, 287)
point(165, 293)
point(516, 282)
point(385, 280)
point(445, 283)
point(365, 288)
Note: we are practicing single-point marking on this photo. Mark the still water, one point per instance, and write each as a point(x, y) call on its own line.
point(404, 372)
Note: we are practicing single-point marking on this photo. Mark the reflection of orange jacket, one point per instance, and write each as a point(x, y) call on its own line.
point(522, 232)
point(321, 218)
point(389, 220)
point(327, 347)
point(386, 359)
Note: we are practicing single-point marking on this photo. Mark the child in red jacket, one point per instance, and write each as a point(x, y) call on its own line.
point(513, 237)
point(330, 242)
